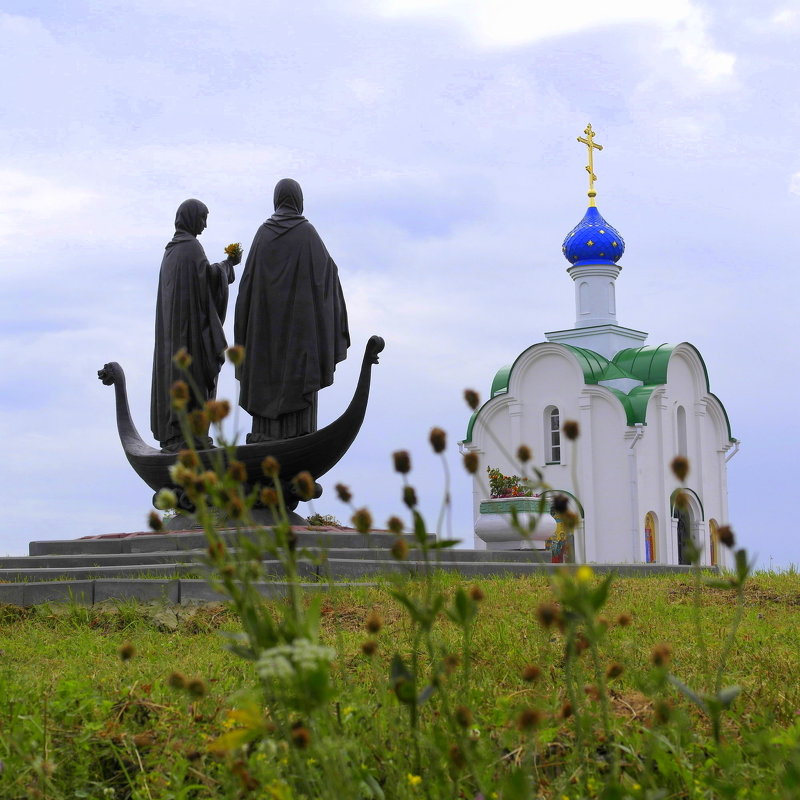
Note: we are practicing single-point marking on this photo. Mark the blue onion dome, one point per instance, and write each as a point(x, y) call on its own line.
point(593, 241)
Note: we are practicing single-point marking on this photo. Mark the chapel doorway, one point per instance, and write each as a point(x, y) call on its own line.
point(684, 535)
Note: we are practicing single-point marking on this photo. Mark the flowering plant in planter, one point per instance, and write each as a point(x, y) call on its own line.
point(507, 485)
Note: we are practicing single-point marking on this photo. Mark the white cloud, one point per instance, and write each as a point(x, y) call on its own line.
point(511, 23)
point(794, 183)
point(27, 201)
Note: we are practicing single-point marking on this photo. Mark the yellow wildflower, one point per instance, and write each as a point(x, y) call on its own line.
point(584, 574)
point(413, 780)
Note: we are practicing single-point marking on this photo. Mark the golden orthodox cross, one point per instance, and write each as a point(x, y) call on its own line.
point(591, 145)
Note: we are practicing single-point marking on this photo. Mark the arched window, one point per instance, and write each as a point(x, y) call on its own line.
point(552, 435)
point(682, 440)
point(650, 538)
point(713, 538)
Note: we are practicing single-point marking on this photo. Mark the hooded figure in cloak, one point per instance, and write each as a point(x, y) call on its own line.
point(291, 320)
point(190, 310)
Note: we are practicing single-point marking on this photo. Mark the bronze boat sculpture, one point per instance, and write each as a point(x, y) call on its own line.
point(315, 452)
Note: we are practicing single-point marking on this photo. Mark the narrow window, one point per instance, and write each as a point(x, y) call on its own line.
point(682, 440)
point(552, 435)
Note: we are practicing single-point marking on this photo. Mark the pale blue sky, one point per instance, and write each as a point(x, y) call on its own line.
point(435, 142)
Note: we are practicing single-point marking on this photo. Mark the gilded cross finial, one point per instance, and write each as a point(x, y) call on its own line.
point(591, 145)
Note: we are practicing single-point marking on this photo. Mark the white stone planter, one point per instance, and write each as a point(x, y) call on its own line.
point(494, 527)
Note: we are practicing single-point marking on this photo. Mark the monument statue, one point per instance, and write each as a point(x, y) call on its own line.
point(190, 310)
point(291, 319)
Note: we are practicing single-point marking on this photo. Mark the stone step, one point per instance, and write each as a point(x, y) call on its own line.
point(144, 560)
point(196, 540)
point(183, 591)
point(332, 568)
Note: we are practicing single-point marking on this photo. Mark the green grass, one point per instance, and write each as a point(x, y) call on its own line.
point(77, 721)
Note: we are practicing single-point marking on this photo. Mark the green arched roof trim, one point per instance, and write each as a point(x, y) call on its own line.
point(648, 364)
point(724, 414)
point(500, 382)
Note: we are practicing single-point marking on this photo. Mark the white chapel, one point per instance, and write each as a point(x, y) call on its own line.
point(637, 405)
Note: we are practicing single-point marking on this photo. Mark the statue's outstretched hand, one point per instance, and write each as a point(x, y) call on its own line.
point(235, 258)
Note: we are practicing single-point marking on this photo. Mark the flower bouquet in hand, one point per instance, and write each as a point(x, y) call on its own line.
point(234, 251)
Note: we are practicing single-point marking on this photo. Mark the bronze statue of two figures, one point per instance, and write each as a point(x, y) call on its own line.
point(290, 318)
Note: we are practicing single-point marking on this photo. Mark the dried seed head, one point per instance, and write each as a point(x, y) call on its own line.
point(362, 520)
point(661, 655)
point(209, 479)
point(548, 613)
point(725, 535)
point(472, 398)
point(196, 687)
point(216, 550)
point(681, 500)
point(237, 471)
point(235, 355)
point(476, 593)
point(304, 485)
point(270, 467)
point(268, 497)
point(217, 410)
point(177, 680)
point(198, 422)
point(566, 710)
point(182, 359)
point(438, 440)
point(523, 453)
point(235, 507)
point(395, 525)
point(400, 549)
point(471, 462)
point(529, 718)
point(300, 736)
point(570, 520)
point(662, 711)
point(591, 691)
point(402, 461)
point(581, 643)
point(531, 673)
point(624, 619)
point(409, 496)
point(369, 647)
point(154, 521)
point(463, 716)
point(680, 467)
point(571, 429)
point(343, 493)
point(374, 622)
point(189, 459)
point(560, 504)
point(127, 651)
point(165, 500)
point(179, 393)
point(615, 669)
point(456, 756)
point(451, 663)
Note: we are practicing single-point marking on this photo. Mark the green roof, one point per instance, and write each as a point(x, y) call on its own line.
point(648, 364)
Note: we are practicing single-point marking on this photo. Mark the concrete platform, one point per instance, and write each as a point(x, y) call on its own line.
point(169, 567)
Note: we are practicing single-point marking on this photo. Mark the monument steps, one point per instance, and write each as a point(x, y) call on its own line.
point(169, 567)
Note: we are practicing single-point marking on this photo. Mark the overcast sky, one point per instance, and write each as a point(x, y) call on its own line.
point(435, 143)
